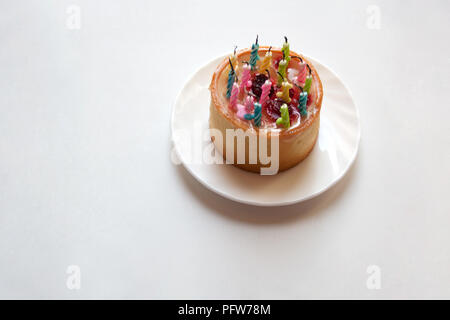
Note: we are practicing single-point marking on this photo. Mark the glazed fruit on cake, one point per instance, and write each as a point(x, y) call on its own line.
point(270, 90)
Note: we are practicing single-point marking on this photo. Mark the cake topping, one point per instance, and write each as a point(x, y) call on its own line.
point(284, 119)
point(231, 78)
point(284, 94)
point(302, 103)
point(273, 101)
point(307, 85)
point(246, 76)
point(266, 88)
point(234, 96)
point(266, 62)
point(282, 70)
point(254, 54)
point(256, 116)
point(286, 51)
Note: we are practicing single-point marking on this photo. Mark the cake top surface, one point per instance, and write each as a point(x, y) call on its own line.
point(267, 88)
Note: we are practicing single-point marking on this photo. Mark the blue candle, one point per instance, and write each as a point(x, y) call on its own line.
point(302, 100)
point(254, 57)
point(231, 77)
point(256, 116)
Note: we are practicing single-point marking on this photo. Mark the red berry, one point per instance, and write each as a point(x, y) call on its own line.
point(273, 108)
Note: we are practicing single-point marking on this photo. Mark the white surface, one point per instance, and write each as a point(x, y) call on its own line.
point(331, 158)
point(85, 175)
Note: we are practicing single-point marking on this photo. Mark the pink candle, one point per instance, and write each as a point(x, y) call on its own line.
point(245, 76)
point(265, 92)
point(249, 103)
point(241, 111)
point(234, 96)
point(301, 78)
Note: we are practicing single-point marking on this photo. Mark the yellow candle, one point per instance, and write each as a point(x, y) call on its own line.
point(282, 71)
point(284, 93)
point(266, 62)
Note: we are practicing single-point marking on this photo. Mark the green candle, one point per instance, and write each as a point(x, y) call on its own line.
point(308, 83)
point(282, 71)
point(284, 119)
point(286, 51)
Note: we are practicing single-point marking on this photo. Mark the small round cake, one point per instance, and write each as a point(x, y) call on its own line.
point(270, 93)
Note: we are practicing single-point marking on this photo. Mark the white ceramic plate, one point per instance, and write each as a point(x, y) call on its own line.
point(330, 159)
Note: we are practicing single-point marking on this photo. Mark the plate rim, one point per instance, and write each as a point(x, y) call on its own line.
point(253, 202)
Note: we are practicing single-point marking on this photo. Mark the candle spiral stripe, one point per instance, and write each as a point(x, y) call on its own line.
point(282, 71)
point(266, 62)
point(302, 103)
point(257, 114)
point(286, 50)
point(246, 75)
point(284, 119)
point(284, 94)
point(254, 54)
point(308, 83)
point(234, 96)
point(231, 77)
point(265, 92)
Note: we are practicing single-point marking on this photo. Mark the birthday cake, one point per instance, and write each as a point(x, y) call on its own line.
point(266, 91)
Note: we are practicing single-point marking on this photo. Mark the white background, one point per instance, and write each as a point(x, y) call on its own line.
point(86, 177)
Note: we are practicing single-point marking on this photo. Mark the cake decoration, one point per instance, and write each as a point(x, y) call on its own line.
point(265, 91)
point(284, 94)
point(256, 116)
point(307, 85)
point(282, 70)
point(286, 51)
point(246, 76)
point(302, 103)
point(266, 62)
point(234, 96)
point(254, 54)
point(231, 78)
point(284, 119)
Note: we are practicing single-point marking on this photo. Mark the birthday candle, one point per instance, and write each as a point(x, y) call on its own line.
point(254, 54)
point(284, 94)
point(248, 102)
point(246, 75)
point(282, 71)
point(286, 51)
point(284, 119)
point(302, 73)
point(256, 116)
point(266, 62)
point(265, 92)
point(308, 83)
point(303, 98)
point(230, 82)
point(231, 78)
point(233, 59)
point(234, 96)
